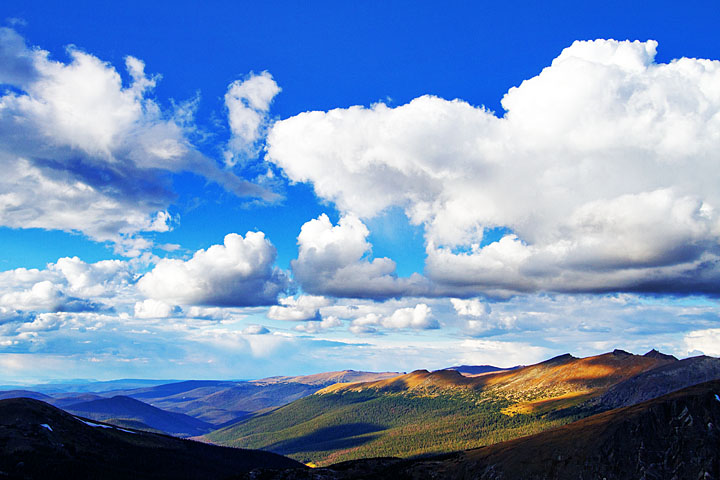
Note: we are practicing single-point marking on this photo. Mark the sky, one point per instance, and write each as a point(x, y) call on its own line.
point(236, 190)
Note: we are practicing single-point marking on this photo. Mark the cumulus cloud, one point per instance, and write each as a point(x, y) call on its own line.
point(151, 308)
point(602, 173)
point(248, 102)
point(335, 260)
point(98, 153)
point(239, 272)
point(304, 307)
point(703, 342)
point(416, 318)
point(69, 285)
point(255, 329)
point(471, 307)
point(317, 326)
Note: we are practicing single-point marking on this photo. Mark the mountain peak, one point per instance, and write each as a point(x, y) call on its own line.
point(656, 354)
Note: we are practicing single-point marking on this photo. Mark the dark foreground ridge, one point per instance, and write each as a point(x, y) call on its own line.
point(39, 441)
point(676, 436)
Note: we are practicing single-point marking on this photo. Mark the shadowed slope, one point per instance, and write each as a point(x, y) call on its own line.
point(127, 408)
point(39, 441)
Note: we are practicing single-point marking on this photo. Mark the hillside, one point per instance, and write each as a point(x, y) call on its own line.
point(126, 408)
point(430, 412)
point(222, 402)
point(24, 394)
point(472, 370)
point(329, 378)
point(39, 441)
point(659, 381)
point(674, 436)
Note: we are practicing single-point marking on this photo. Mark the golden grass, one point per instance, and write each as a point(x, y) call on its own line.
point(545, 405)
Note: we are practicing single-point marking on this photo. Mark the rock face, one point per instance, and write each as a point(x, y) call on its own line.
point(39, 441)
point(659, 381)
point(676, 436)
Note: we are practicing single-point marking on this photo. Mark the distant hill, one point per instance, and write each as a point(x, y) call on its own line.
point(329, 378)
point(126, 408)
point(23, 394)
point(673, 436)
point(93, 386)
point(39, 441)
point(64, 399)
point(471, 370)
point(428, 412)
point(223, 402)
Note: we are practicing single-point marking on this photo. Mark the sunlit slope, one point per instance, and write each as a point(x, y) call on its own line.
point(423, 412)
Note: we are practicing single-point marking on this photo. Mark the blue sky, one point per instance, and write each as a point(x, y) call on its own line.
point(244, 189)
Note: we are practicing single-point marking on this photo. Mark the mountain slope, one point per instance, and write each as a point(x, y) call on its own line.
point(676, 436)
point(659, 381)
point(127, 408)
point(430, 412)
point(471, 370)
point(39, 441)
point(221, 402)
point(24, 394)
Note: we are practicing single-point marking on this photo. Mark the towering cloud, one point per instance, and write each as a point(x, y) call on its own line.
point(602, 173)
point(335, 260)
point(239, 272)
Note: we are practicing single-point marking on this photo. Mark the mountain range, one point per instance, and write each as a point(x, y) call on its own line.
point(675, 436)
point(442, 411)
point(460, 422)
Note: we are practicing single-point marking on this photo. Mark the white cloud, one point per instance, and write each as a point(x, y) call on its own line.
point(67, 285)
point(334, 260)
point(255, 329)
point(416, 318)
point(150, 308)
point(304, 307)
point(248, 102)
point(603, 174)
point(499, 354)
point(705, 342)
point(238, 273)
point(472, 307)
point(80, 151)
point(315, 326)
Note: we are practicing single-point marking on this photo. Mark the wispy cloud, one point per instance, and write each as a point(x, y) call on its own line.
point(97, 152)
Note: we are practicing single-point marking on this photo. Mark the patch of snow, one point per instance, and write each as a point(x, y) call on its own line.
point(93, 424)
point(45, 425)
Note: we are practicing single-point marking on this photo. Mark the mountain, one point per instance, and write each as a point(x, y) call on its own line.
point(430, 412)
point(329, 378)
point(471, 370)
point(224, 402)
point(93, 386)
point(62, 400)
point(659, 381)
point(39, 441)
point(676, 436)
point(126, 408)
point(23, 394)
